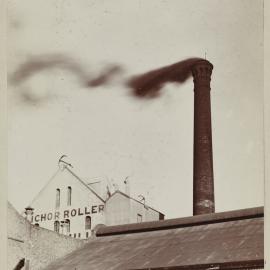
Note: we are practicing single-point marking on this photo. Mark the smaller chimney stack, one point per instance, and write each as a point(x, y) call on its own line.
point(29, 211)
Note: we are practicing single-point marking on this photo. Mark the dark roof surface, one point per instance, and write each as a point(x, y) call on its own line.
point(190, 243)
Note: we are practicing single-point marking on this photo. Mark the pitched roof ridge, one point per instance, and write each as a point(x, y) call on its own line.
point(78, 178)
point(53, 176)
point(128, 196)
point(47, 183)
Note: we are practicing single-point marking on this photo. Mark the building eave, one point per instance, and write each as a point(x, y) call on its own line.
point(166, 224)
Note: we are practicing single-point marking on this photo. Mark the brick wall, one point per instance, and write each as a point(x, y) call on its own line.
point(39, 246)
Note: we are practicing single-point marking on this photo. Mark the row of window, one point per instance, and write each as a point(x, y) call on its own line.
point(79, 235)
point(66, 224)
point(57, 200)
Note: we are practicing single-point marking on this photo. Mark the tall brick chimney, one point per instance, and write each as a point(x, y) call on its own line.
point(203, 179)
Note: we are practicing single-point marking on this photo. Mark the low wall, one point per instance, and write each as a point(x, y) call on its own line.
point(38, 246)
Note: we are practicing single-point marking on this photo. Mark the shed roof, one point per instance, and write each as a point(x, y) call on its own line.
point(214, 241)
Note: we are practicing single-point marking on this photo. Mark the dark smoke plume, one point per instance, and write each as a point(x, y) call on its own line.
point(105, 76)
point(146, 85)
point(55, 61)
point(149, 84)
point(44, 62)
point(41, 63)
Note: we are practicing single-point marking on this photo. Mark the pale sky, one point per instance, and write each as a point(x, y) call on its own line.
point(108, 133)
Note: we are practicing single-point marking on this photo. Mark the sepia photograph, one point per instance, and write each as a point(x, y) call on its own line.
point(135, 135)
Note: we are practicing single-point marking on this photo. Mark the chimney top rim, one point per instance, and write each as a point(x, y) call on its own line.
point(203, 61)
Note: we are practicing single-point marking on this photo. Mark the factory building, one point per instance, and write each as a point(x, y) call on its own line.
point(230, 240)
point(72, 207)
point(218, 241)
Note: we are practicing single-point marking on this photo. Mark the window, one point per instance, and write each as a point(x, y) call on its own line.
point(56, 226)
point(74, 235)
point(79, 235)
point(139, 218)
point(67, 225)
point(69, 190)
point(87, 234)
point(88, 223)
point(62, 224)
point(57, 201)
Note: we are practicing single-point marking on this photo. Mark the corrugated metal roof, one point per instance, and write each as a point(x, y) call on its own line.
point(234, 239)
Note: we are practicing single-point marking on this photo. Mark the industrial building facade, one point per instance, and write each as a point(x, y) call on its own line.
point(206, 241)
point(218, 241)
point(69, 206)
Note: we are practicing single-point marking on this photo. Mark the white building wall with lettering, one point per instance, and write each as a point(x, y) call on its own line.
point(70, 206)
point(83, 203)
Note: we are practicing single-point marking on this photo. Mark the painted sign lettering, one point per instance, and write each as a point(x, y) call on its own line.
point(68, 213)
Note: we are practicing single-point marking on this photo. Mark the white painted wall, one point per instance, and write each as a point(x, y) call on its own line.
point(83, 203)
point(118, 209)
